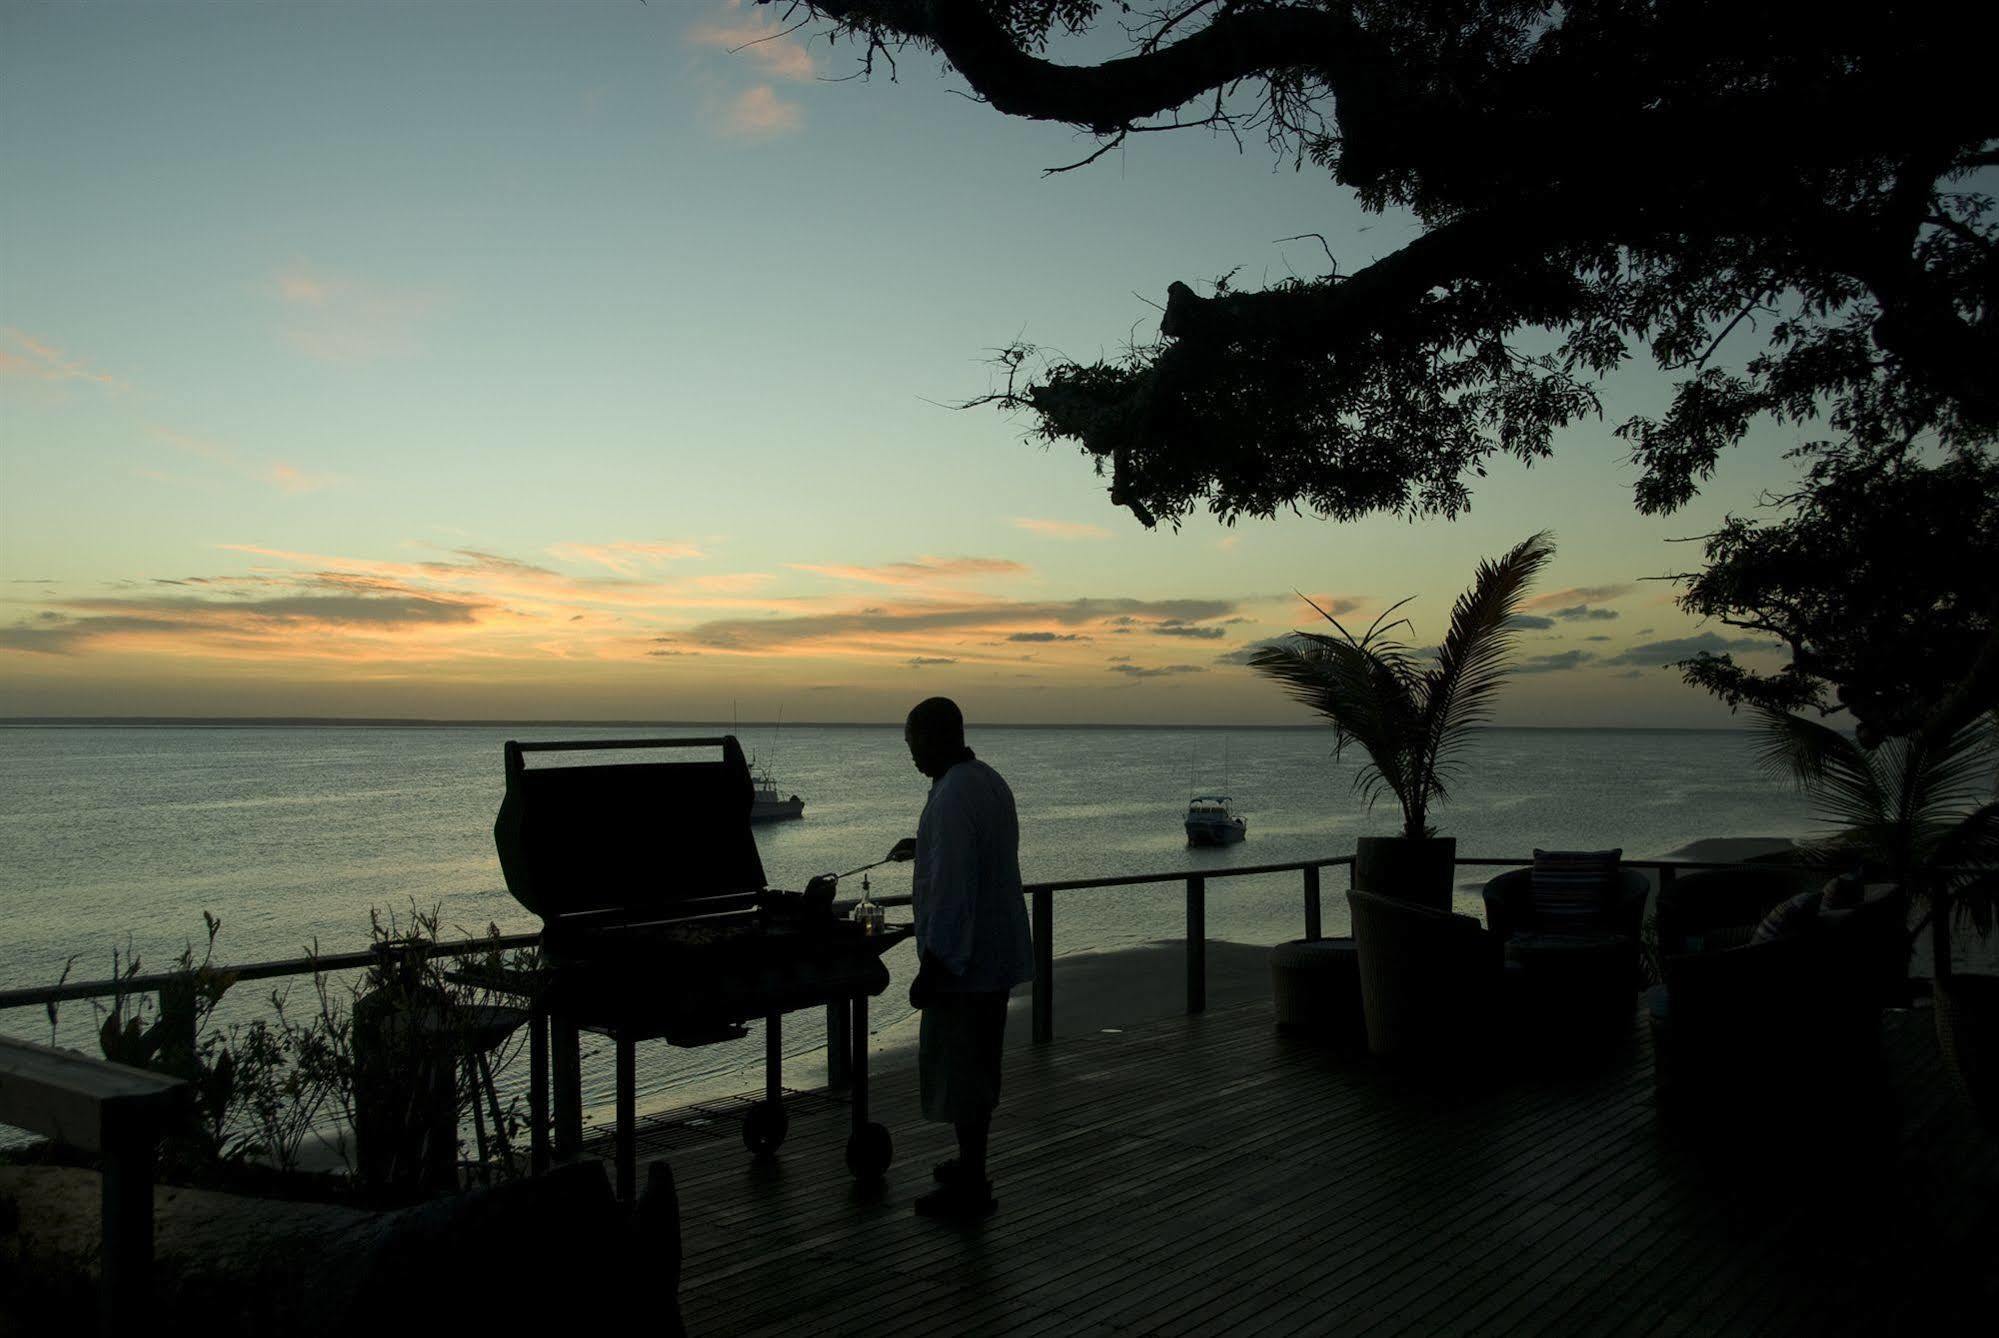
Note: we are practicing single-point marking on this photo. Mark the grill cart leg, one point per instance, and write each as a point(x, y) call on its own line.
point(869, 1148)
point(628, 1179)
point(538, 1091)
point(567, 1073)
point(766, 1124)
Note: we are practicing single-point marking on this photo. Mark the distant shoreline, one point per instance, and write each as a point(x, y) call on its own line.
point(400, 722)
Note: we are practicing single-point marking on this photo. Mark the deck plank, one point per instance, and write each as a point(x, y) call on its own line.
point(1207, 1175)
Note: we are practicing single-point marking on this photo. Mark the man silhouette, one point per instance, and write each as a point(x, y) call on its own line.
point(972, 946)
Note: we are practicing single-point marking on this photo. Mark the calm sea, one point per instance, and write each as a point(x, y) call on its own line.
point(112, 837)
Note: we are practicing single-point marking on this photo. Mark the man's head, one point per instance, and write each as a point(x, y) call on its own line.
point(935, 733)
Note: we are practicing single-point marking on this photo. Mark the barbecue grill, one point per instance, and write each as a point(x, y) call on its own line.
point(656, 924)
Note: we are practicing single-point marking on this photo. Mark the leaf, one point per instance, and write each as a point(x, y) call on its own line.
point(1411, 719)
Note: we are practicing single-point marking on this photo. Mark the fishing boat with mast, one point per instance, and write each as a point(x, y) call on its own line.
point(1210, 819)
point(767, 805)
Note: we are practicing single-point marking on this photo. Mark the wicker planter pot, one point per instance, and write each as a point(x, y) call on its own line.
point(1967, 1009)
point(1419, 870)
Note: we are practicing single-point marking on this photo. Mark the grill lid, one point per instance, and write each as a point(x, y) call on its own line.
point(651, 838)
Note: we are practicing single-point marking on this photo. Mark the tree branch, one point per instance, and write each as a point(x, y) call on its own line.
point(1109, 96)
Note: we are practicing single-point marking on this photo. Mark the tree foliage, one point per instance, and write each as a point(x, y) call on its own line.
point(1879, 577)
point(1778, 204)
point(1637, 178)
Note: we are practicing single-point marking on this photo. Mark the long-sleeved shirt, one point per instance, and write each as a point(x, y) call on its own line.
point(965, 887)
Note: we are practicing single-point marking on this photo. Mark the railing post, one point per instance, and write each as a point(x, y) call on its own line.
point(1197, 944)
point(1312, 922)
point(176, 1028)
point(839, 1046)
point(1044, 965)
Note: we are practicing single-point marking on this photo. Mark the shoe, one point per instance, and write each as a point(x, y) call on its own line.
point(958, 1201)
point(946, 1171)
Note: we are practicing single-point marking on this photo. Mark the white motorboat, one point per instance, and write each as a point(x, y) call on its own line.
point(1211, 822)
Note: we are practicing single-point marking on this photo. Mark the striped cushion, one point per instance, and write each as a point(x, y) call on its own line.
point(1788, 918)
point(1572, 888)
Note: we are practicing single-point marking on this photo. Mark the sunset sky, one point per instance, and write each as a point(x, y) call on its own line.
point(565, 360)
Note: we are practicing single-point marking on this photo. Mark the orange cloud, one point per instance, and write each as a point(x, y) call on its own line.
point(624, 558)
point(763, 40)
point(925, 571)
point(928, 624)
point(307, 618)
point(759, 113)
point(281, 475)
point(1578, 594)
point(338, 319)
point(477, 616)
point(31, 359)
point(1062, 529)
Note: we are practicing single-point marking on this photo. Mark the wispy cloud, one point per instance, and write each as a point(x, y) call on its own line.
point(27, 358)
point(1577, 594)
point(759, 113)
point(1529, 622)
point(875, 630)
point(1175, 627)
point(279, 474)
point(624, 557)
point(760, 38)
point(337, 318)
point(1584, 613)
point(1680, 648)
point(1548, 664)
point(921, 661)
point(1337, 605)
point(925, 572)
point(319, 614)
point(1157, 671)
point(1047, 636)
point(1244, 654)
point(1061, 529)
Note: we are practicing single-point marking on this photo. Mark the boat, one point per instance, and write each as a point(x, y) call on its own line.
point(1210, 822)
point(768, 806)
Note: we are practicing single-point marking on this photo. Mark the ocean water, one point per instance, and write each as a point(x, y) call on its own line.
point(122, 837)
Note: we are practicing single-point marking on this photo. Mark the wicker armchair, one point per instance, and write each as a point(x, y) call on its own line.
point(1430, 982)
point(1713, 909)
point(1509, 903)
point(1789, 1024)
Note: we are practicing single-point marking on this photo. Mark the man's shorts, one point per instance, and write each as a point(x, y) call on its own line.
point(958, 1054)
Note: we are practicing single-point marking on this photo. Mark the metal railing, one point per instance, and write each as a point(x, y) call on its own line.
point(172, 987)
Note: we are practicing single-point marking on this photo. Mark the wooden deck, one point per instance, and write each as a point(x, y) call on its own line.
point(1204, 1175)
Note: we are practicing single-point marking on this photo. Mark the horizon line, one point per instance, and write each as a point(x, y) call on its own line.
point(579, 722)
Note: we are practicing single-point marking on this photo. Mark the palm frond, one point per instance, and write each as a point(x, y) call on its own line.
point(1953, 772)
point(1827, 766)
point(1472, 659)
point(1972, 841)
point(1364, 698)
point(1911, 804)
point(1409, 712)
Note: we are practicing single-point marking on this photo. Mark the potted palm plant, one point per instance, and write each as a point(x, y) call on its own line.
point(1411, 713)
point(1916, 810)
